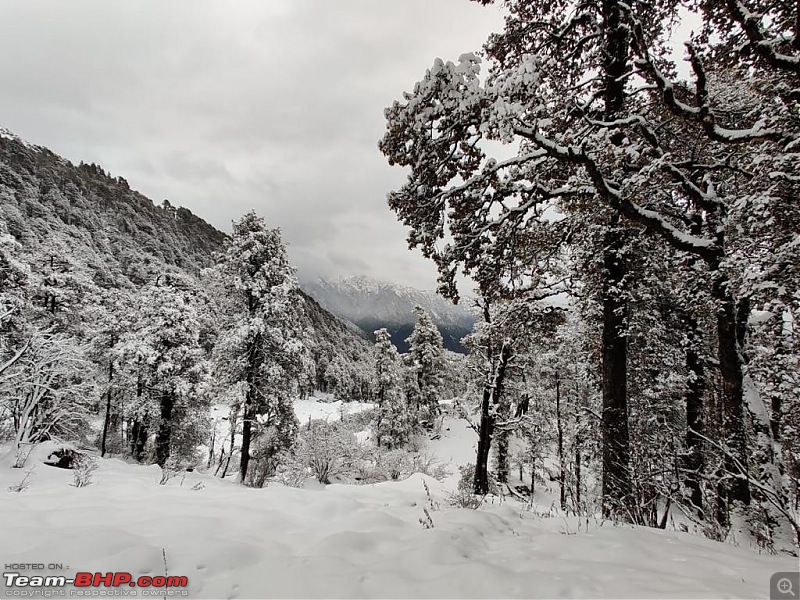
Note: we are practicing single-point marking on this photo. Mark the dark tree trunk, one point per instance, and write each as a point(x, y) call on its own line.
point(164, 435)
point(736, 489)
point(578, 439)
point(492, 393)
point(695, 415)
point(616, 484)
point(138, 440)
point(502, 456)
point(211, 450)
point(107, 419)
point(481, 480)
point(578, 442)
point(247, 432)
point(562, 475)
point(255, 361)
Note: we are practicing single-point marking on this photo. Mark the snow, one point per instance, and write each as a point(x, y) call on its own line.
point(323, 407)
point(342, 541)
point(10, 135)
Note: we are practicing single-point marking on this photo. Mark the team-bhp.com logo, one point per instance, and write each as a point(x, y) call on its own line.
point(93, 584)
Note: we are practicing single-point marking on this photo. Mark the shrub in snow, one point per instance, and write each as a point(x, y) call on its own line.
point(328, 449)
point(463, 496)
point(64, 458)
point(292, 472)
point(426, 522)
point(83, 470)
point(168, 471)
point(23, 484)
point(400, 464)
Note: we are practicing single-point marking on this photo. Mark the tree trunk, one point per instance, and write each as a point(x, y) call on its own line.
point(694, 462)
point(138, 440)
point(108, 409)
point(502, 456)
point(255, 361)
point(481, 481)
point(247, 429)
point(164, 435)
point(562, 475)
point(736, 489)
point(492, 393)
point(616, 483)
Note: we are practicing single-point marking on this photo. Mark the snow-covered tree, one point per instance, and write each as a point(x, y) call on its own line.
point(426, 359)
point(392, 428)
point(586, 97)
point(261, 347)
point(168, 367)
point(48, 391)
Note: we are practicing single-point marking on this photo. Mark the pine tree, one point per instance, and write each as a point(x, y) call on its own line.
point(391, 419)
point(261, 349)
point(426, 358)
point(167, 368)
point(600, 127)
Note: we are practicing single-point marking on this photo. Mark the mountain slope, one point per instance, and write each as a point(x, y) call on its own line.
point(372, 304)
point(80, 229)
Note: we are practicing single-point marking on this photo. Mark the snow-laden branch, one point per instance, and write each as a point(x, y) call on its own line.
point(703, 247)
point(772, 495)
point(14, 359)
point(702, 113)
point(763, 46)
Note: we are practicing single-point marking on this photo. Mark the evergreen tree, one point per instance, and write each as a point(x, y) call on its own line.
point(261, 349)
point(604, 135)
point(391, 419)
point(170, 372)
point(426, 358)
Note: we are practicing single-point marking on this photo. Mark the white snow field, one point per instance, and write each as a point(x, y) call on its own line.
point(345, 541)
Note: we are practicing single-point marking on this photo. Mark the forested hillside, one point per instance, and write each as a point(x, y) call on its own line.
point(107, 232)
point(98, 284)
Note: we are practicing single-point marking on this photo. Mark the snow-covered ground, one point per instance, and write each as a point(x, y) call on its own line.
point(352, 541)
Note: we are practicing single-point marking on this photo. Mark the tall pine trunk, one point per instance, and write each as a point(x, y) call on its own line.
point(562, 466)
point(616, 482)
point(694, 462)
point(732, 412)
point(107, 419)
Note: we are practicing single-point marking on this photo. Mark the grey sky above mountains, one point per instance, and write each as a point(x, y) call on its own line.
point(275, 105)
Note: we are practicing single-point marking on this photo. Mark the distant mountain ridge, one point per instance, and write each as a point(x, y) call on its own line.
point(372, 304)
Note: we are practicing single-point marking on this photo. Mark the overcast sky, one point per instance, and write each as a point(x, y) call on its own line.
point(221, 107)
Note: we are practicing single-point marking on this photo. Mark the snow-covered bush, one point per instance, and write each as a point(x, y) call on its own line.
point(329, 449)
point(464, 497)
point(83, 470)
point(398, 464)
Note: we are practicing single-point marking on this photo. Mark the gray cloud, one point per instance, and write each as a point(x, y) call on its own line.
point(226, 106)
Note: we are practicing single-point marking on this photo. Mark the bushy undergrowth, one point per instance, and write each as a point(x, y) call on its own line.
point(330, 452)
point(464, 497)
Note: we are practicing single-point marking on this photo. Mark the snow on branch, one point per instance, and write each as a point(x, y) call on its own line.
point(703, 247)
point(702, 113)
point(763, 46)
